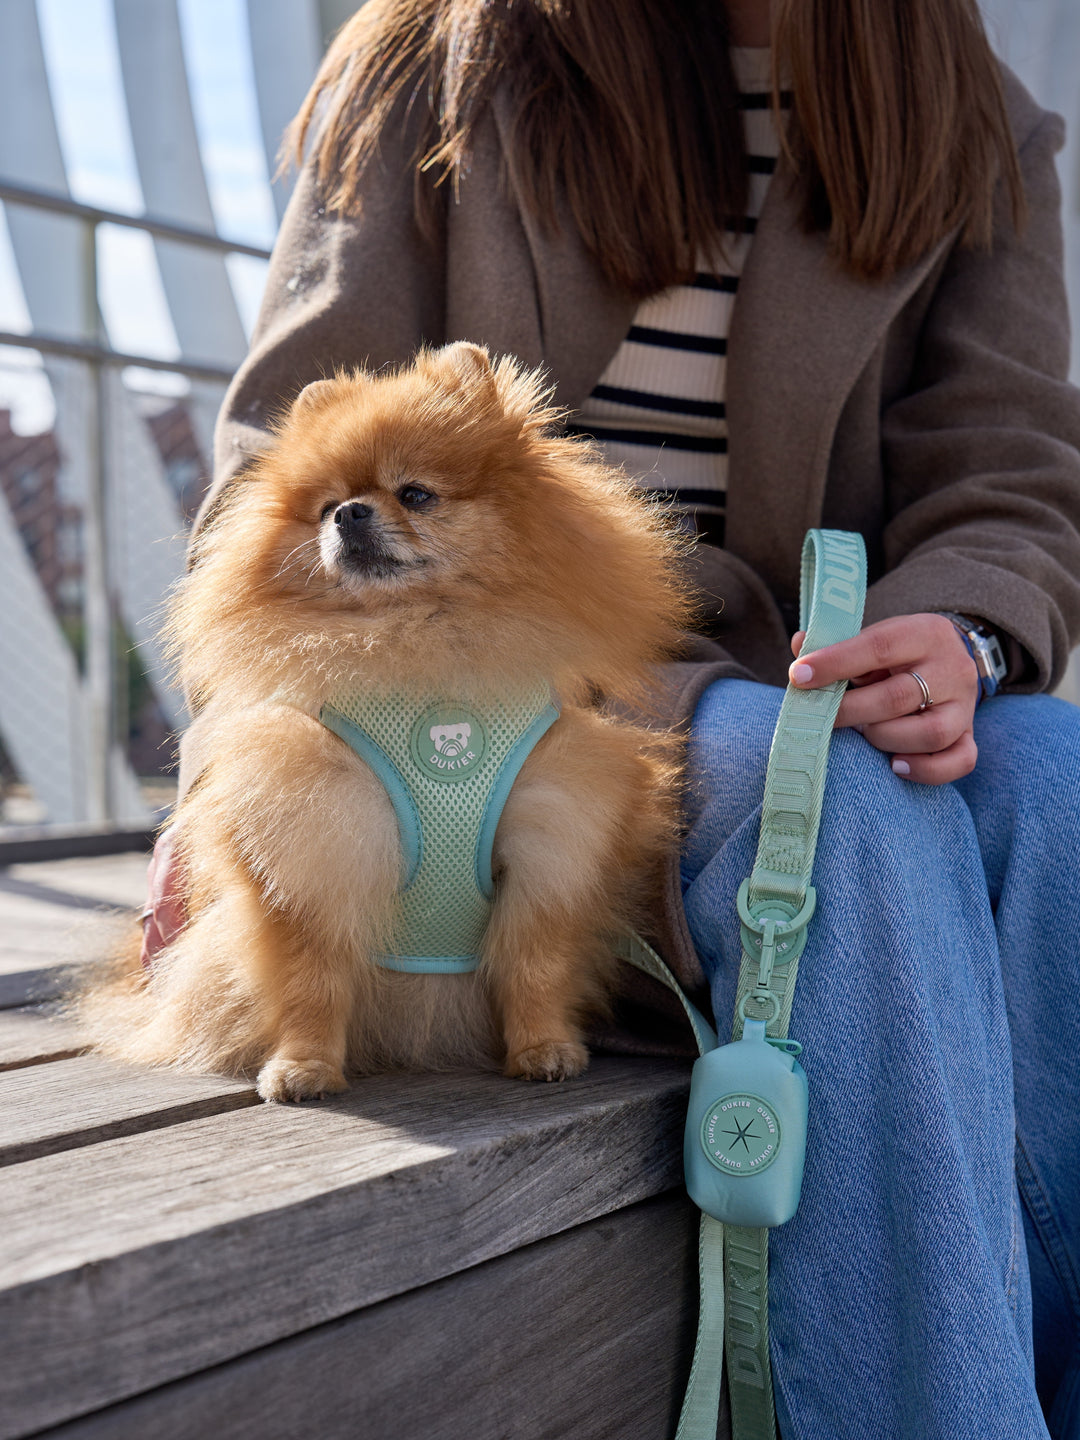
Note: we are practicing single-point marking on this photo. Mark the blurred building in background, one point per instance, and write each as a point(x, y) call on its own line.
point(138, 146)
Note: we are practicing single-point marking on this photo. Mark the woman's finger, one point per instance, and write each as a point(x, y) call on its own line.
point(890, 698)
point(945, 765)
point(925, 734)
point(897, 644)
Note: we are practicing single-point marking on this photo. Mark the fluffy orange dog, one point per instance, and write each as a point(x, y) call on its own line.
point(422, 534)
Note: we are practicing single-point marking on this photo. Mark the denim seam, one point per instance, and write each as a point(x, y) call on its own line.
point(1016, 1233)
point(1037, 1204)
point(778, 1384)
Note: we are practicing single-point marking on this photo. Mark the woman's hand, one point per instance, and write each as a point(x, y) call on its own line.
point(165, 914)
point(883, 700)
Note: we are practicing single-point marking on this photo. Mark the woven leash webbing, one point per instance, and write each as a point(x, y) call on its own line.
point(831, 599)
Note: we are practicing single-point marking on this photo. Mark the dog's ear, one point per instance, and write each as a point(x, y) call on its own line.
point(313, 395)
point(463, 366)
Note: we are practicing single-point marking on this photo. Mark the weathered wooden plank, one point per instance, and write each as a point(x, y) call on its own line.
point(38, 974)
point(117, 881)
point(587, 1335)
point(31, 844)
point(32, 987)
point(140, 1260)
point(77, 1102)
point(32, 1037)
point(61, 913)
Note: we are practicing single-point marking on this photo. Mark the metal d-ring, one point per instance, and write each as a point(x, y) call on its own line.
point(761, 997)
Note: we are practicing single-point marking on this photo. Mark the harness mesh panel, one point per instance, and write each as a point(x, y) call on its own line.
point(444, 911)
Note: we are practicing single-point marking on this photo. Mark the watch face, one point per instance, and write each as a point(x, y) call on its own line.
point(741, 1134)
point(985, 648)
point(995, 657)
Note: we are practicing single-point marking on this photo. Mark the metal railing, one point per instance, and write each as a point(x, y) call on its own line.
point(94, 350)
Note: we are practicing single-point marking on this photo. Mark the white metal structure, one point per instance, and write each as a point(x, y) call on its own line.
point(57, 726)
point(1040, 40)
point(285, 50)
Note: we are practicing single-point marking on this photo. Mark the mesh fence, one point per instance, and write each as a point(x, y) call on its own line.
point(156, 467)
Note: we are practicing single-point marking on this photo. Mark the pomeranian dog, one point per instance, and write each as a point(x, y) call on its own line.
point(395, 631)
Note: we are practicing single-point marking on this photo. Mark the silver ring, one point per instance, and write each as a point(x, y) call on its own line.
point(926, 700)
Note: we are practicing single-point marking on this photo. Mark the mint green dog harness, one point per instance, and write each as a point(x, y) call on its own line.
point(448, 769)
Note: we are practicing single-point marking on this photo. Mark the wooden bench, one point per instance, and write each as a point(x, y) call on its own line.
point(457, 1256)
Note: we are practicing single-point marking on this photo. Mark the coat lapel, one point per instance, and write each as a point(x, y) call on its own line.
point(802, 332)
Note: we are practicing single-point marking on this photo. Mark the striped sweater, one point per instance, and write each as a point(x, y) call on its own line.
point(658, 408)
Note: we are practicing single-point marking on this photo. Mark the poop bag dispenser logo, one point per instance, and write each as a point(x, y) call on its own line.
point(448, 742)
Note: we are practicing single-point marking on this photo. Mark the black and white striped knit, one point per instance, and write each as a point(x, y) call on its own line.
point(658, 408)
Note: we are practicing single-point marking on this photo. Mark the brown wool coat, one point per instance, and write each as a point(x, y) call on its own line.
point(930, 412)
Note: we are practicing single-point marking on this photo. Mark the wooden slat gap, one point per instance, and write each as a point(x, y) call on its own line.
point(22, 988)
point(129, 1125)
point(47, 1058)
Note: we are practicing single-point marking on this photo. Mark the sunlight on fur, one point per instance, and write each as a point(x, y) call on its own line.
point(425, 531)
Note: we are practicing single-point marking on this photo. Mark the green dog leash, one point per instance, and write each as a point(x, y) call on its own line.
point(746, 1127)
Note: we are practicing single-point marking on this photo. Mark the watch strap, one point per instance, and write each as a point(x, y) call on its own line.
point(985, 649)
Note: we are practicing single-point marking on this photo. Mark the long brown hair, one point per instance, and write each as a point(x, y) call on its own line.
point(898, 135)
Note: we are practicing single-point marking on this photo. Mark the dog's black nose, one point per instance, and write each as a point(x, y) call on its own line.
point(352, 517)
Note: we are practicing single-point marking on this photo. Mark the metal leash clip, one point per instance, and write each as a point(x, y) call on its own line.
point(777, 931)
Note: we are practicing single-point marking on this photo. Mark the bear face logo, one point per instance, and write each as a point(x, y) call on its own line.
point(450, 740)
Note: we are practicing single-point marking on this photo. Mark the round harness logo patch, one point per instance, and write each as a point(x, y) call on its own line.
point(448, 743)
point(741, 1134)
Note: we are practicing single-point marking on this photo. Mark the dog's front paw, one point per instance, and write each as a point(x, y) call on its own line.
point(285, 1078)
point(550, 1060)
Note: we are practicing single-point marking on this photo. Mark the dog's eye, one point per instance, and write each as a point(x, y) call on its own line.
point(415, 497)
point(327, 509)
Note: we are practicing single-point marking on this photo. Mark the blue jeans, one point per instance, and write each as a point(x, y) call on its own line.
point(928, 1285)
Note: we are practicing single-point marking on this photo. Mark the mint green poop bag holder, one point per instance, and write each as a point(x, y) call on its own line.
point(745, 1137)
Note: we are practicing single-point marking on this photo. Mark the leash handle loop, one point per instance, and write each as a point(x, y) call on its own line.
point(832, 592)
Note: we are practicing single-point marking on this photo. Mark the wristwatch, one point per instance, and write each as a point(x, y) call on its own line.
point(984, 647)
